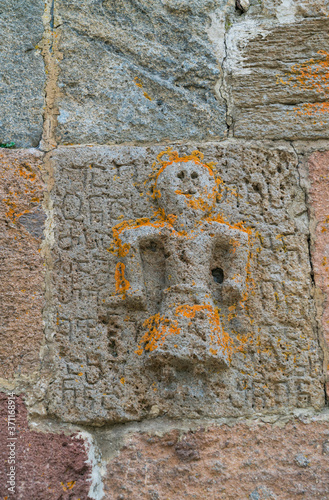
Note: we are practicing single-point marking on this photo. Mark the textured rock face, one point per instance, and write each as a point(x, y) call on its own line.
point(283, 97)
point(47, 465)
point(174, 302)
point(22, 287)
point(319, 180)
point(22, 73)
point(149, 72)
point(258, 462)
point(125, 279)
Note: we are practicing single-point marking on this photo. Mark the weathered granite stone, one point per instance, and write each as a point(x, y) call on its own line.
point(149, 72)
point(277, 79)
point(113, 345)
point(46, 465)
point(21, 265)
point(254, 462)
point(22, 74)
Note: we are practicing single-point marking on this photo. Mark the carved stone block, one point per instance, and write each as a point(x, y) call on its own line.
point(181, 284)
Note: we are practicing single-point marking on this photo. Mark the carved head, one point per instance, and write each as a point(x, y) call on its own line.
point(187, 187)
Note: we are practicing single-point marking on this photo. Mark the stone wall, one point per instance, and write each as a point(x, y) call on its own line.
point(164, 249)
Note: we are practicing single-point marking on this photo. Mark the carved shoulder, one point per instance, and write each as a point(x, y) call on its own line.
point(226, 232)
point(135, 234)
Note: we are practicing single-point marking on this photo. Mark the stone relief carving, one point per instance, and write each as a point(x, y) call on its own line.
point(189, 245)
point(179, 285)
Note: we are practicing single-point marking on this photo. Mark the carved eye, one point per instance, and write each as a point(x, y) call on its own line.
point(194, 175)
point(218, 275)
point(153, 246)
point(181, 175)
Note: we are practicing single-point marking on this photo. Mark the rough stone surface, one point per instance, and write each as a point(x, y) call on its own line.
point(257, 462)
point(47, 465)
point(22, 73)
point(167, 323)
point(21, 265)
point(319, 179)
point(106, 370)
point(277, 79)
point(149, 72)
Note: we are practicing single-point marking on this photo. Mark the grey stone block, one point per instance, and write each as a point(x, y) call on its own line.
point(138, 72)
point(22, 74)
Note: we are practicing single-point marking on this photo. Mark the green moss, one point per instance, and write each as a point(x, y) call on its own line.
point(8, 145)
point(228, 24)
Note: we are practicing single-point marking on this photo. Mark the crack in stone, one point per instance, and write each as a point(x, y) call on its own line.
point(51, 57)
point(318, 328)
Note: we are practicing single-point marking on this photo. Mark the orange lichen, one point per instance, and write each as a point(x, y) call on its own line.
point(145, 94)
point(23, 191)
point(69, 486)
point(160, 220)
point(311, 75)
point(220, 218)
point(121, 284)
point(138, 82)
point(158, 328)
point(218, 336)
point(201, 202)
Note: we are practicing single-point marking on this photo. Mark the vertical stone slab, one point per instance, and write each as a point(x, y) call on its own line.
point(21, 267)
point(138, 72)
point(319, 189)
point(22, 73)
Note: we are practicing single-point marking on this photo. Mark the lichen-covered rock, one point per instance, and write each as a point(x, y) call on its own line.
point(22, 72)
point(132, 287)
point(21, 265)
point(277, 79)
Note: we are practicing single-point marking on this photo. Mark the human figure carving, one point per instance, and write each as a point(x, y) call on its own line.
point(187, 328)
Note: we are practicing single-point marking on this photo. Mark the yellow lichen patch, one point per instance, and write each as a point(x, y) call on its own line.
point(145, 94)
point(69, 485)
point(160, 220)
point(311, 75)
point(234, 245)
point(158, 328)
point(205, 203)
point(138, 82)
point(218, 336)
point(239, 225)
point(24, 189)
point(121, 284)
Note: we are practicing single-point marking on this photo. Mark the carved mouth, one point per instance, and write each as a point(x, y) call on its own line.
point(189, 192)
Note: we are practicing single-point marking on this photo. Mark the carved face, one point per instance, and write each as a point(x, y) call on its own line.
point(187, 187)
